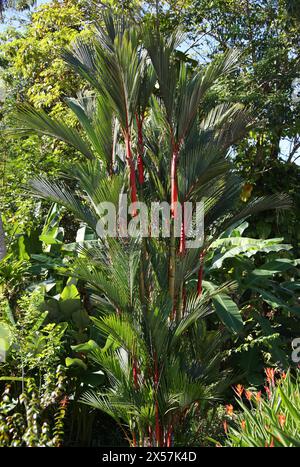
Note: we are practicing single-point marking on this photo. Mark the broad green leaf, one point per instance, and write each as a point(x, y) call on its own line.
point(228, 312)
point(51, 238)
point(23, 254)
point(276, 266)
point(244, 246)
point(85, 347)
point(5, 336)
point(70, 292)
point(75, 362)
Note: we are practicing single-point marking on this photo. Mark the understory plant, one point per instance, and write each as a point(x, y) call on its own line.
point(267, 295)
point(33, 382)
point(33, 345)
point(33, 415)
point(268, 419)
point(148, 126)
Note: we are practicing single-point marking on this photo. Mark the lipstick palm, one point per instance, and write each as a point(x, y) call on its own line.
point(182, 93)
point(151, 386)
point(140, 287)
point(114, 68)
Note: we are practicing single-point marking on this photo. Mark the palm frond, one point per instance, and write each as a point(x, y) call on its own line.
point(96, 120)
point(161, 52)
point(61, 194)
point(38, 122)
point(277, 201)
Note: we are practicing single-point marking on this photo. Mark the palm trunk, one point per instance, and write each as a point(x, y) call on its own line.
point(150, 436)
point(139, 122)
point(144, 286)
point(181, 304)
point(132, 181)
point(169, 436)
point(182, 247)
point(2, 240)
point(174, 190)
point(140, 170)
point(157, 426)
point(134, 440)
point(174, 200)
point(172, 265)
point(135, 373)
point(200, 274)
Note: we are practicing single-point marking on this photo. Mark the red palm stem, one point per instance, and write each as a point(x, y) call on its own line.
point(174, 189)
point(139, 122)
point(132, 181)
point(135, 374)
point(169, 436)
point(157, 425)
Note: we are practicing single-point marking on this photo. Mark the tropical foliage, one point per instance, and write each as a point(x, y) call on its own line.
point(142, 334)
point(270, 420)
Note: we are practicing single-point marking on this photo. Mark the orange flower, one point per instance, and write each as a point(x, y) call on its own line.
point(243, 424)
point(248, 395)
point(281, 419)
point(271, 445)
point(258, 396)
point(64, 402)
point(239, 389)
point(229, 409)
point(270, 373)
point(225, 426)
point(268, 391)
point(283, 375)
